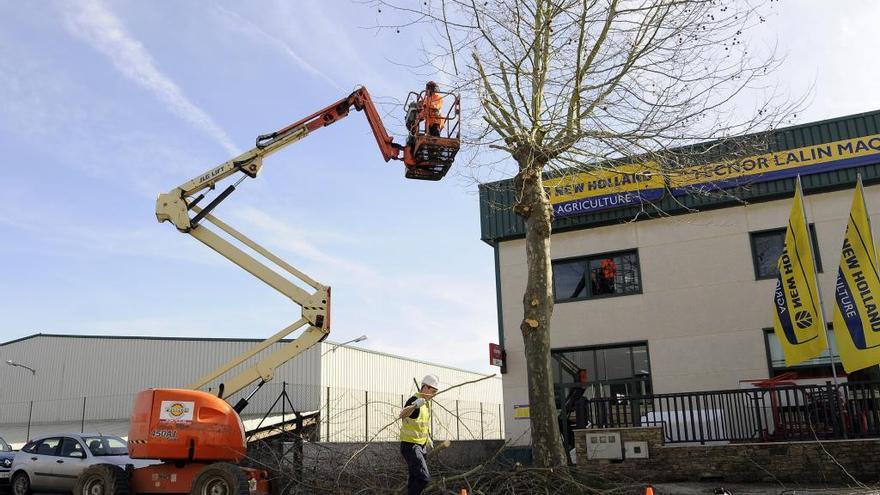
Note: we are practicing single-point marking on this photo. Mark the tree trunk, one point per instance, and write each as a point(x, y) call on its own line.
point(535, 209)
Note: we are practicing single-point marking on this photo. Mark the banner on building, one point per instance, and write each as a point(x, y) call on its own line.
point(857, 292)
point(599, 190)
point(778, 165)
point(636, 183)
point(798, 320)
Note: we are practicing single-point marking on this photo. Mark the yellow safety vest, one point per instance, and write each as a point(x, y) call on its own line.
point(417, 430)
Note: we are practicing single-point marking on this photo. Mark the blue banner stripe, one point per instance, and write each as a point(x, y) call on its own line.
point(783, 314)
point(846, 306)
point(778, 174)
point(604, 202)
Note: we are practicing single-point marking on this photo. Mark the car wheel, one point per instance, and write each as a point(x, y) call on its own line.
point(21, 484)
point(102, 479)
point(220, 478)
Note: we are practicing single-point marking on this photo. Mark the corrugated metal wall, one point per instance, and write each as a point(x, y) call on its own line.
point(109, 371)
point(359, 391)
point(350, 367)
point(363, 391)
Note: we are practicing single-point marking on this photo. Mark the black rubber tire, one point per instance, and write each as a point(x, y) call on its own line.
point(103, 479)
point(220, 478)
point(20, 477)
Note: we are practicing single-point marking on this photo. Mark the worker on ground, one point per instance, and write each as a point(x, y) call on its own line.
point(415, 434)
point(432, 106)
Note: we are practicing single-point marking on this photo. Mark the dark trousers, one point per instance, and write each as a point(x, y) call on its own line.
point(419, 477)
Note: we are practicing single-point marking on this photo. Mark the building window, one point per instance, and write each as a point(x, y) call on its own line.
point(621, 370)
point(767, 248)
point(612, 274)
point(819, 367)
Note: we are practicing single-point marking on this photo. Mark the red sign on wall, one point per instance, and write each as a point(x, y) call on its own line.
point(497, 357)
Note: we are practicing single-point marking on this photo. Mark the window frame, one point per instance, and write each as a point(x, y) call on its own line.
point(76, 441)
point(57, 450)
point(585, 260)
point(601, 347)
point(767, 333)
point(105, 440)
point(814, 238)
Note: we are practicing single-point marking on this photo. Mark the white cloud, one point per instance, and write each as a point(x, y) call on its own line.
point(54, 226)
point(298, 242)
point(351, 50)
point(99, 27)
point(242, 25)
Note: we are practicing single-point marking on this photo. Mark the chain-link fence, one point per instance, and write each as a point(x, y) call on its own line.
point(344, 414)
point(359, 415)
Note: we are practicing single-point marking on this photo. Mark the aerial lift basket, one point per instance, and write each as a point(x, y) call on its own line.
point(431, 156)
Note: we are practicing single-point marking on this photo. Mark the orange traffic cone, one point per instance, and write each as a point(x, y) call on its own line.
point(649, 490)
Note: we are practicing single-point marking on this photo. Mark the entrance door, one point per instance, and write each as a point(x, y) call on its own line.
point(40, 464)
point(70, 463)
point(616, 377)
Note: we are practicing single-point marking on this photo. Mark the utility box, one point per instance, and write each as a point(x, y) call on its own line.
point(604, 446)
point(635, 450)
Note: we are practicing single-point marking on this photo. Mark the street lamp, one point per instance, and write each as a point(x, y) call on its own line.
point(13, 363)
point(31, 406)
point(356, 339)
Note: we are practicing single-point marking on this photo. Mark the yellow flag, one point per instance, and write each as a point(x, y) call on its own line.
point(857, 293)
point(798, 322)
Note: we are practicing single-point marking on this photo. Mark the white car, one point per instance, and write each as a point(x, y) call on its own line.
point(6, 455)
point(52, 463)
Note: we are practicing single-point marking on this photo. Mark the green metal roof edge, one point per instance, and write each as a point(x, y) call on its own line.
point(502, 224)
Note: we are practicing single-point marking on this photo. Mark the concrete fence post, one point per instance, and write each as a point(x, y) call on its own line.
point(30, 413)
point(327, 422)
point(482, 424)
point(457, 422)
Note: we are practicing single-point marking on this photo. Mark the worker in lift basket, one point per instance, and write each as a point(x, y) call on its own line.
point(415, 434)
point(432, 106)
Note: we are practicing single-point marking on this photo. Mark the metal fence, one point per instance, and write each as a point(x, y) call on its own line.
point(358, 415)
point(781, 413)
point(345, 414)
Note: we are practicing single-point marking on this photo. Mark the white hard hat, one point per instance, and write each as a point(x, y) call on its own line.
point(431, 381)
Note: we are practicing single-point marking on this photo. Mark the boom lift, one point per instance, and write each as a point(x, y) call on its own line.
point(197, 435)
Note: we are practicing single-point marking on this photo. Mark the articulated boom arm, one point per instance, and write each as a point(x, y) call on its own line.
point(175, 207)
point(359, 100)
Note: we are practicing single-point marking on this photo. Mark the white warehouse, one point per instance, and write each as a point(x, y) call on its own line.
point(89, 382)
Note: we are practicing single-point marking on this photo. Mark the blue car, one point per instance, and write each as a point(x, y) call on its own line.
point(6, 455)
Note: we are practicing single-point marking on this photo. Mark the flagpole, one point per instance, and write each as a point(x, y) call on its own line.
point(831, 358)
point(818, 285)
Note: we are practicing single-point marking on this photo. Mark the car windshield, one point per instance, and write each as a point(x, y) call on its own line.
point(106, 445)
point(4, 447)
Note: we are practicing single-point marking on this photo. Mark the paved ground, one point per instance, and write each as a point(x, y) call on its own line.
point(749, 489)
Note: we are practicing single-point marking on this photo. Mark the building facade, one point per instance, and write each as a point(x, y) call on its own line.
point(89, 382)
point(681, 299)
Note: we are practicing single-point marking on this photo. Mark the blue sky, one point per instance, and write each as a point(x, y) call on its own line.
point(105, 104)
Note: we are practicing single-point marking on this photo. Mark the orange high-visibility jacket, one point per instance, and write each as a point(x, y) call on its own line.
point(433, 107)
point(609, 268)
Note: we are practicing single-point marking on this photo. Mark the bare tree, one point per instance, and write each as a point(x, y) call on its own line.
point(564, 86)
